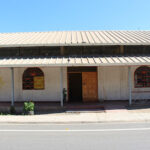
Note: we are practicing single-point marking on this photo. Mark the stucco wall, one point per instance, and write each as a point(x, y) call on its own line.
point(5, 84)
point(52, 86)
point(112, 85)
point(139, 93)
point(50, 93)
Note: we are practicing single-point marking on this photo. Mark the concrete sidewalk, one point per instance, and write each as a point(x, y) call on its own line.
point(81, 117)
point(106, 112)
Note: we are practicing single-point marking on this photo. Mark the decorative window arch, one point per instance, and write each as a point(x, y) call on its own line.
point(142, 77)
point(33, 79)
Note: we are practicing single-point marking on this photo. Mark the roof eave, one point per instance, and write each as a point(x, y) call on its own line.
point(78, 44)
point(72, 65)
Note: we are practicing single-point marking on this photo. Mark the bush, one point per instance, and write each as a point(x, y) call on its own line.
point(28, 106)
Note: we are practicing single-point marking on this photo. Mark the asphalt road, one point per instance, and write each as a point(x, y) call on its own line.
point(110, 136)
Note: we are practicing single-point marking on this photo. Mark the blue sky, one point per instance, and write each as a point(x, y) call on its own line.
point(49, 15)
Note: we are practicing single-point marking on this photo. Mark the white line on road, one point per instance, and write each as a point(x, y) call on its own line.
point(70, 130)
point(60, 124)
point(75, 124)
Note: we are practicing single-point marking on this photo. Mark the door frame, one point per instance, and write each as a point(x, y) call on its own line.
point(82, 85)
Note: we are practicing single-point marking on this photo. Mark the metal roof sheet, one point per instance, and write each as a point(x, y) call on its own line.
point(76, 61)
point(74, 38)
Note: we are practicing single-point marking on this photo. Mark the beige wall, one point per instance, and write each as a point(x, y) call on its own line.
point(50, 93)
point(5, 84)
point(139, 93)
point(112, 84)
point(52, 86)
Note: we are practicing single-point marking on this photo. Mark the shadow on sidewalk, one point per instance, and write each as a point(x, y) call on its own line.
point(54, 107)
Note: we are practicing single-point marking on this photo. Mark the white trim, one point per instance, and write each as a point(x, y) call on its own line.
point(72, 65)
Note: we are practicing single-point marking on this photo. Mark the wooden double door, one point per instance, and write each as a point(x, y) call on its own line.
point(82, 86)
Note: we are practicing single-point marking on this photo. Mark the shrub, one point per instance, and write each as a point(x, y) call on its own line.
point(28, 106)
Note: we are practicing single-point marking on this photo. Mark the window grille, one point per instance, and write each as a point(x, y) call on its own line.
point(142, 77)
point(33, 79)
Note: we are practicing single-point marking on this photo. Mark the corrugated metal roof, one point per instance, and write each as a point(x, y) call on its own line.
point(76, 61)
point(74, 38)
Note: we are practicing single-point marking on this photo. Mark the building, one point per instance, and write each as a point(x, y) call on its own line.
point(90, 65)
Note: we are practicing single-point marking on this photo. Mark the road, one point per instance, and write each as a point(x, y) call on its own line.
point(103, 136)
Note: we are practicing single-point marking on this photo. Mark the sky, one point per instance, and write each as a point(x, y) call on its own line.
point(64, 15)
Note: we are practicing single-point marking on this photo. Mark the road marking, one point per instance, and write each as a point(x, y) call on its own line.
point(62, 124)
point(70, 130)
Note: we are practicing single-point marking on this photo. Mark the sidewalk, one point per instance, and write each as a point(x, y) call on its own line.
point(102, 112)
point(112, 113)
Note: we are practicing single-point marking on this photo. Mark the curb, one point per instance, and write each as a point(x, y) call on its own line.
point(74, 122)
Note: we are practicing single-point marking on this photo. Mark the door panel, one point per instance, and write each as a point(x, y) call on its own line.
point(75, 87)
point(89, 86)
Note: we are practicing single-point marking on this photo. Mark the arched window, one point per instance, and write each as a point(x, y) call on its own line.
point(33, 79)
point(142, 77)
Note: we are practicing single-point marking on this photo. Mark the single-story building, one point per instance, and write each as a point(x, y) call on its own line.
point(89, 66)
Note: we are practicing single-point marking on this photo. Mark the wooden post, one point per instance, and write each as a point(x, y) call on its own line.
point(130, 85)
point(121, 49)
point(12, 87)
point(62, 50)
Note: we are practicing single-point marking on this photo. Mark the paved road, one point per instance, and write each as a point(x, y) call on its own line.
point(110, 136)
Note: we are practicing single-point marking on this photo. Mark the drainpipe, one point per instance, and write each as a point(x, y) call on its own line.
point(12, 87)
point(61, 87)
point(130, 85)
